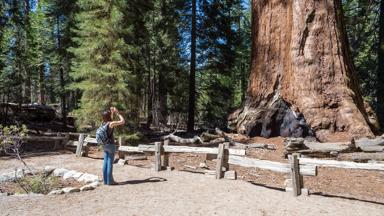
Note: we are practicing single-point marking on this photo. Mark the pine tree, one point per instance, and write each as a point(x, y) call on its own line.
point(61, 19)
point(380, 70)
point(219, 41)
point(101, 70)
point(163, 58)
point(192, 72)
point(2, 31)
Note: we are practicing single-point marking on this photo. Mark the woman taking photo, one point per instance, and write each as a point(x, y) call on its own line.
point(109, 146)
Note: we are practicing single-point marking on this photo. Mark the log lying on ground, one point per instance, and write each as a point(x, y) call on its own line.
point(255, 145)
point(226, 138)
point(309, 170)
point(242, 145)
point(179, 149)
point(328, 147)
point(293, 144)
point(364, 156)
point(177, 139)
point(370, 145)
point(206, 137)
point(341, 164)
point(299, 145)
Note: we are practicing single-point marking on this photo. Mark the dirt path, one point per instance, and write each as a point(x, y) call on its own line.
point(145, 192)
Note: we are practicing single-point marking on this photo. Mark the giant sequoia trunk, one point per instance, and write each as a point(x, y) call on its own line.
point(302, 81)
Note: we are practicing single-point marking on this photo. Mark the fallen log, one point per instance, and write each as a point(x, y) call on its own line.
point(226, 138)
point(206, 137)
point(370, 145)
point(364, 156)
point(328, 147)
point(309, 170)
point(262, 145)
point(177, 139)
point(341, 164)
point(255, 145)
point(299, 145)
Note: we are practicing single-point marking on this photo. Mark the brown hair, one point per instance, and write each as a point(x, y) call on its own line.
point(107, 116)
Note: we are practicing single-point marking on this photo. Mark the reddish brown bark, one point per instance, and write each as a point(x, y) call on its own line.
point(301, 63)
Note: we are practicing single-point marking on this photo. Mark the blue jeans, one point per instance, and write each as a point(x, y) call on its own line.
point(109, 156)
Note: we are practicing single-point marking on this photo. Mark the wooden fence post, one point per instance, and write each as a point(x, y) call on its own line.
point(57, 142)
point(166, 155)
point(121, 143)
point(158, 148)
point(220, 161)
point(226, 157)
point(295, 174)
point(66, 140)
point(80, 145)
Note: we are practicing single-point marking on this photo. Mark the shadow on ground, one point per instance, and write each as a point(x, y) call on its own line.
point(147, 180)
point(319, 194)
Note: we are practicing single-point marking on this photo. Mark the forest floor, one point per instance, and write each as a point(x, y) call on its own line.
point(143, 191)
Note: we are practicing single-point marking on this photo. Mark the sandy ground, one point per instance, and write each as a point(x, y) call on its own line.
point(146, 192)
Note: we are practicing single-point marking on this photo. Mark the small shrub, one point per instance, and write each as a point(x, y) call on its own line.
point(38, 184)
point(133, 139)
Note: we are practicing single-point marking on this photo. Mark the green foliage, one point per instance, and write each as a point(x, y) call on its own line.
point(101, 70)
point(40, 184)
point(135, 55)
point(361, 18)
point(224, 55)
point(9, 134)
point(133, 139)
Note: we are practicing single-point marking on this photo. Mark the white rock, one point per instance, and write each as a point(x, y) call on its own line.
point(88, 178)
point(20, 173)
point(60, 172)
point(95, 184)
point(70, 190)
point(122, 162)
point(35, 194)
point(6, 177)
point(55, 192)
point(203, 165)
point(77, 175)
point(20, 195)
point(87, 187)
point(48, 170)
point(69, 174)
point(230, 175)
point(288, 182)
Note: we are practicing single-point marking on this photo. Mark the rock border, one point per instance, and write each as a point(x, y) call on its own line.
point(92, 180)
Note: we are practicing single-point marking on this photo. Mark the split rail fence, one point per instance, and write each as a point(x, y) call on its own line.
point(297, 166)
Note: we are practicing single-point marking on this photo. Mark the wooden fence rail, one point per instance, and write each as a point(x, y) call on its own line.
point(341, 164)
point(179, 149)
point(307, 170)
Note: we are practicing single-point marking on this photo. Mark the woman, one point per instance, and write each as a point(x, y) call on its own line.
point(110, 148)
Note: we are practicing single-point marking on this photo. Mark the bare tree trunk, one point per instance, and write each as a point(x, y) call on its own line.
point(27, 82)
point(380, 74)
point(302, 81)
point(192, 85)
point(41, 98)
point(61, 74)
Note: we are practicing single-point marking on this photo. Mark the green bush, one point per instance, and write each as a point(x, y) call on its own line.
point(39, 184)
point(133, 139)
